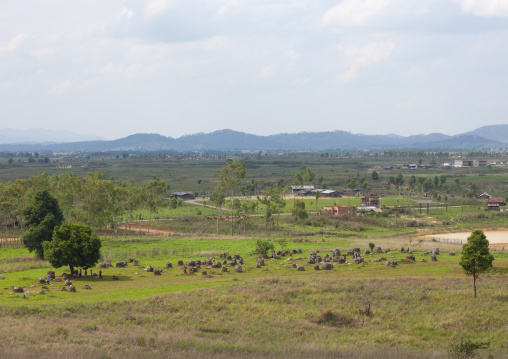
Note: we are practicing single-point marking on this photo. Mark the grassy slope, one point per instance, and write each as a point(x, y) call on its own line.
point(418, 308)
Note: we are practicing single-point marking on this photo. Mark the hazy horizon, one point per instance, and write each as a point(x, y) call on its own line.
point(102, 138)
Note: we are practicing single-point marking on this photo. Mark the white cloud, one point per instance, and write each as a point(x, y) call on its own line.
point(485, 8)
point(292, 56)
point(155, 7)
point(267, 72)
point(14, 44)
point(66, 87)
point(358, 57)
point(301, 82)
point(408, 104)
point(44, 53)
point(217, 43)
point(126, 12)
point(354, 12)
point(257, 7)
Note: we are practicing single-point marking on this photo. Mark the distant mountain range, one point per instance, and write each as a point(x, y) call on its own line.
point(495, 136)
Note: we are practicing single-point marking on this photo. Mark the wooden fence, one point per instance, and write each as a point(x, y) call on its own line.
point(11, 242)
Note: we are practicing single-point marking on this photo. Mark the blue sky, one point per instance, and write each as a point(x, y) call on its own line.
point(179, 67)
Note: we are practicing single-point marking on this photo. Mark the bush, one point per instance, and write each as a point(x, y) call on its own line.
point(264, 246)
point(335, 319)
point(371, 246)
point(466, 348)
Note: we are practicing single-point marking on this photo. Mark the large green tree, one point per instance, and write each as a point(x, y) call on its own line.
point(74, 245)
point(476, 257)
point(40, 218)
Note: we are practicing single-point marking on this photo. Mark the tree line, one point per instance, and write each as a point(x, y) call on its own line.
point(93, 200)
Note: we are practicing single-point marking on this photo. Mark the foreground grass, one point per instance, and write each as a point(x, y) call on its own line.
point(417, 309)
point(269, 317)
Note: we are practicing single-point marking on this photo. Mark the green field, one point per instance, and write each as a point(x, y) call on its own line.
point(412, 310)
point(416, 308)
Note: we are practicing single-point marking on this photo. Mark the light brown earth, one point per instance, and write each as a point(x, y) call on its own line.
point(496, 238)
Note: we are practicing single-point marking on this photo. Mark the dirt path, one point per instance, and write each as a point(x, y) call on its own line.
point(151, 230)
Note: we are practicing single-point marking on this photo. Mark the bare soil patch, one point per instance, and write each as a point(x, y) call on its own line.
point(496, 238)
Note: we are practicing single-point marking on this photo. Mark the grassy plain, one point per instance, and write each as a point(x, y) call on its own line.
point(417, 309)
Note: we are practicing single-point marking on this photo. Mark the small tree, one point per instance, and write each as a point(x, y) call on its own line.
point(282, 242)
point(476, 257)
point(318, 194)
point(40, 218)
point(375, 176)
point(173, 203)
point(218, 197)
point(371, 246)
point(264, 246)
point(74, 245)
point(298, 211)
point(231, 178)
point(273, 201)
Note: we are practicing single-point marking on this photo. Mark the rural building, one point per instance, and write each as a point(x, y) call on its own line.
point(470, 163)
point(484, 196)
point(480, 163)
point(324, 193)
point(369, 209)
point(301, 190)
point(339, 210)
point(495, 204)
point(182, 195)
point(9, 224)
point(330, 193)
point(370, 201)
point(463, 163)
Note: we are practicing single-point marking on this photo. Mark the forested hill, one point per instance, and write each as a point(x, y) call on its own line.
point(224, 140)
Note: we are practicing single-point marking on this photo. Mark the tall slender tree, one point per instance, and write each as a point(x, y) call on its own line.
point(218, 197)
point(231, 177)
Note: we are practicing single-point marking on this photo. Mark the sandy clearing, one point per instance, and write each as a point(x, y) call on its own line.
point(495, 237)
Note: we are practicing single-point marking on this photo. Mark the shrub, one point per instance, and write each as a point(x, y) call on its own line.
point(264, 246)
point(466, 349)
point(335, 319)
point(371, 246)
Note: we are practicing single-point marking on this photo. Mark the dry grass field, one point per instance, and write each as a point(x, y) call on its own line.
point(414, 310)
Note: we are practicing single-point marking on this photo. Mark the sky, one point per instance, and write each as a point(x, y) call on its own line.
point(175, 67)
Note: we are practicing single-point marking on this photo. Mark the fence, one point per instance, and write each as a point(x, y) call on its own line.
point(12, 242)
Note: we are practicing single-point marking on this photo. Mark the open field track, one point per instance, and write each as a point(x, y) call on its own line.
point(151, 230)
